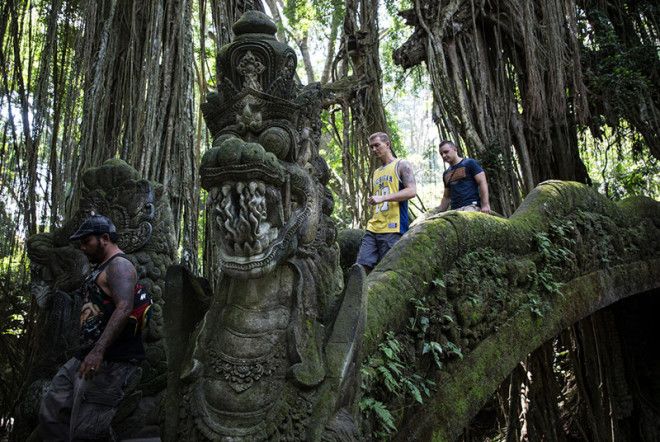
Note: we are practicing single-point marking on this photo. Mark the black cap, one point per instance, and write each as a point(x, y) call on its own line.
point(94, 225)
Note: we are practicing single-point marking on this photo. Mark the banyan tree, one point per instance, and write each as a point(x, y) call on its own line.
point(516, 80)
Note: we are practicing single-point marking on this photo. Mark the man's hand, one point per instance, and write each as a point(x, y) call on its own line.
point(91, 364)
point(89, 310)
point(485, 208)
point(409, 190)
point(376, 199)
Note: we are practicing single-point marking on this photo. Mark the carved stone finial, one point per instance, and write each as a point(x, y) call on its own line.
point(254, 22)
point(255, 70)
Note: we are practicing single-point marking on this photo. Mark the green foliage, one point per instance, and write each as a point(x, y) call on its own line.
point(536, 306)
point(616, 72)
point(643, 178)
point(486, 283)
point(479, 275)
point(435, 349)
point(556, 255)
point(398, 147)
point(419, 326)
point(7, 230)
point(387, 375)
point(201, 225)
point(328, 11)
point(300, 14)
point(454, 349)
point(620, 66)
point(387, 424)
point(418, 323)
point(14, 311)
point(620, 162)
point(331, 151)
point(545, 275)
point(556, 261)
point(439, 282)
point(396, 33)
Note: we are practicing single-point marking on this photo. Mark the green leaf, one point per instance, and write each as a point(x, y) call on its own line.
point(384, 416)
point(439, 282)
point(414, 391)
point(390, 382)
point(395, 367)
point(454, 349)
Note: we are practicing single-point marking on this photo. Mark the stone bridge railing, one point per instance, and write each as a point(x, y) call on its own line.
point(464, 297)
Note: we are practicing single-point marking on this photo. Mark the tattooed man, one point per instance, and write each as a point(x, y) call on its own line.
point(393, 185)
point(86, 392)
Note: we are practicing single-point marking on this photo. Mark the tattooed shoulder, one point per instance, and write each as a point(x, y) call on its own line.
point(121, 277)
point(406, 172)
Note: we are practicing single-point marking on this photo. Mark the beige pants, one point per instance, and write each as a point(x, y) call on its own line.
point(470, 208)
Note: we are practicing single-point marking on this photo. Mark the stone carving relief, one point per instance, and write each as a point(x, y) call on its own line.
point(270, 352)
point(144, 223)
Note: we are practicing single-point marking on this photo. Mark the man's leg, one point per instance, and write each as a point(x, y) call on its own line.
point(55, 409)
point(385, 242)
point(470, 208)
point(368, 254)
point(97, 399)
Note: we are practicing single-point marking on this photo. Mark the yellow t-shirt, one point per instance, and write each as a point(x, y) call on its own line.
point(389, 216)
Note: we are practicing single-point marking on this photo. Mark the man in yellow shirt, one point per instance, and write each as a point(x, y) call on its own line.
point(393, 185)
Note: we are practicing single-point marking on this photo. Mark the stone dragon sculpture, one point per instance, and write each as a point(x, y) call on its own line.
point(269, 352)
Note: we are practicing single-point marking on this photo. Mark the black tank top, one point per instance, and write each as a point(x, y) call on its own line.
point(97, 309)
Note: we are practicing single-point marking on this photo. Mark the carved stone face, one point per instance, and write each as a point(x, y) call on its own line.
point(263, 192)
point(261, 205)
point(117, 191)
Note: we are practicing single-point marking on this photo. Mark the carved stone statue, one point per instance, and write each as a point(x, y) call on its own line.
point(144, 223)
point(269, 353)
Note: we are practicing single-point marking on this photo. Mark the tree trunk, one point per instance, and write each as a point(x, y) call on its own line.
point(498, 81)
point(362, 108)
point(137, 62)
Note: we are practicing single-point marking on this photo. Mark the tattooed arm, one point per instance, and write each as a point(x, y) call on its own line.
point(409, 190)
point(120, 279)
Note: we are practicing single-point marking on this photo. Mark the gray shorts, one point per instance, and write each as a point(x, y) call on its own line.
point(374, 246)
point(82, 409)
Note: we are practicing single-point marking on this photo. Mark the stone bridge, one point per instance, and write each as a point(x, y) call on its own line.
point(477, 294)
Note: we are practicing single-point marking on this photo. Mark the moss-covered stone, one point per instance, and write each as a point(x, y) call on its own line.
point(349, 245)
point(491, 290)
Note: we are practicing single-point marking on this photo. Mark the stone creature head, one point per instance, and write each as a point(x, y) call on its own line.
point(117, 191)
point(265, 179)
point(113, 188)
